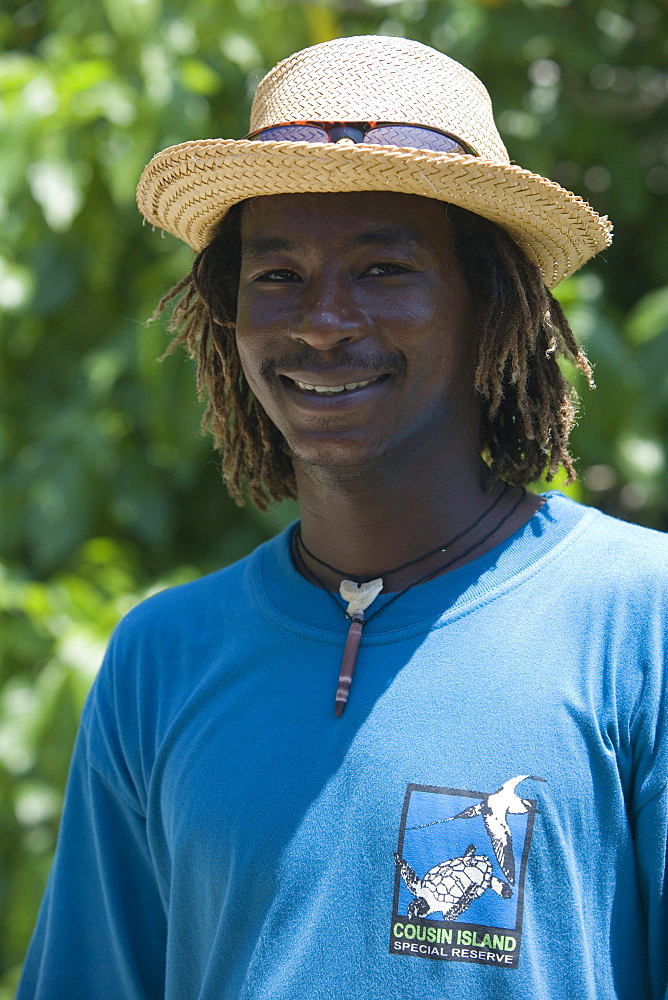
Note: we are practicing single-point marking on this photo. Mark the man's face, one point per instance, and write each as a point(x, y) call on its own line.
point(355, 327)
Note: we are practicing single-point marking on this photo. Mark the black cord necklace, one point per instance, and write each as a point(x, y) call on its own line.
point(412, 562)
point(361, 595)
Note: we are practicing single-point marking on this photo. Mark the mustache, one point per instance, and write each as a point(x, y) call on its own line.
point(343, 359)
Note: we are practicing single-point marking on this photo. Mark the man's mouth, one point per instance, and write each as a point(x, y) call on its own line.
point(328, 390)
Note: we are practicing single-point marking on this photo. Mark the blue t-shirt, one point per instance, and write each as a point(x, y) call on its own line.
point(487, 820)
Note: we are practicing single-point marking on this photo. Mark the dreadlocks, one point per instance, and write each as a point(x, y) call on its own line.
point(528, 405)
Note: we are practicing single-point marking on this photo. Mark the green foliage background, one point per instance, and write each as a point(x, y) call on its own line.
point(105, 485)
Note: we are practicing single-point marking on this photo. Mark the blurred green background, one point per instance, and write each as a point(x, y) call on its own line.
point(106, 489)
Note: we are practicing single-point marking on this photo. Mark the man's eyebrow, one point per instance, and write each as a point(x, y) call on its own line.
point(385, 236)
point(260, 246)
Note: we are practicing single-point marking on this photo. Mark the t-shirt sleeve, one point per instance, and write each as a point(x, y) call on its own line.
point(652, 854)
point(101, 930)
point(649, 816)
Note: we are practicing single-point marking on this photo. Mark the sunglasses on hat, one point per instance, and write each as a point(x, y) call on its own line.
point(400, 134)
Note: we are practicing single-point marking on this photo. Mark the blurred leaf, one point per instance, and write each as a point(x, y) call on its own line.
point(649, 318)
point(198, 78)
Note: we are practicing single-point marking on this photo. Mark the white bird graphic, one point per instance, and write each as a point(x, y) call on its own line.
point(494, 809)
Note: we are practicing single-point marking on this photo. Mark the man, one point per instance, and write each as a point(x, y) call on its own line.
point(415, 746)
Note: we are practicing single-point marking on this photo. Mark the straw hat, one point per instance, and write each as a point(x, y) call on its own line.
point(188, 188)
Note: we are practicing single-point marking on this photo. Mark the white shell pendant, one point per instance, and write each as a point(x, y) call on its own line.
point(359, 595)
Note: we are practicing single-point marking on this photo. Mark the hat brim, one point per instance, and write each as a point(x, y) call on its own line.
point(187, 189)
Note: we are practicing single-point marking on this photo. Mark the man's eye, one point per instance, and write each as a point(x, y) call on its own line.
point(279, 275)
point(384, 270)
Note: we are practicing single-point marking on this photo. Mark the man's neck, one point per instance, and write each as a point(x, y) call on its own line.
point(367, 524)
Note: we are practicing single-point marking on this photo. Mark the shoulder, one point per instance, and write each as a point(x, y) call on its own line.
point(629, 538)
point(609, 538)
point(212, 592)
point(628, 549)
point(606, 558)
point(169, 644)
point(209, 602)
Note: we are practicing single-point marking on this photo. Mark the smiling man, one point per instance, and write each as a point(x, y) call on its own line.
point(321, 334)
point(416, 745)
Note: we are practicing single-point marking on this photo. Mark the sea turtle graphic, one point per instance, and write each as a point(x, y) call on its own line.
point(451, 886)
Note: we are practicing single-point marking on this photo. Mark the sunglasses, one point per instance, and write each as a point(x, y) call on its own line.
point(371, 133)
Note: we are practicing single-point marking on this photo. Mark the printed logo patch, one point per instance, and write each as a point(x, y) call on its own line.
point(460, 868)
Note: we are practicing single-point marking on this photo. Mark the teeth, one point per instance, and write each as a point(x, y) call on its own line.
point(328, 389)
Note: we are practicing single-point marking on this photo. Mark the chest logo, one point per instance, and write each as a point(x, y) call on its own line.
point(456, 859)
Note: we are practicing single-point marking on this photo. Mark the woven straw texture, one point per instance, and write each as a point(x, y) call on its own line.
point(188, 188)
point(351, 79)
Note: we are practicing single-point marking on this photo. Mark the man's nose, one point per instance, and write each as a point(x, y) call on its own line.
point(330, 316)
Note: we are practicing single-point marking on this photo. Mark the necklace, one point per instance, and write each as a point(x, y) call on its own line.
point(361, 593)
point(412, 562)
